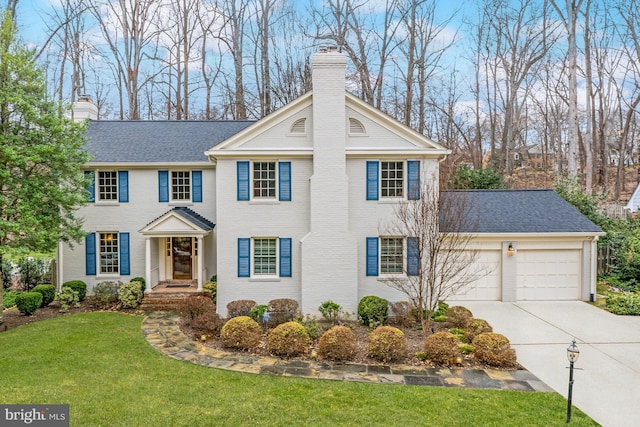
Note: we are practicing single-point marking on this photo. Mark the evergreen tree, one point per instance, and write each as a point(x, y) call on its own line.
point(41, 155)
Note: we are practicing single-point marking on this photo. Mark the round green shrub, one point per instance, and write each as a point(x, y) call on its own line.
point(330, 311)
point(338, 343)
point(142, 282)
point(130, 295)
point(208, 323)
point(476, 327)
point(28, 302)
point(442, 348)
point(386, 344)
point(494, 349)
point(68, 298)
point(373, 310)
point(458, 316)
point(48, 294)
point(241, 307)
point(79, 286)
point(288, 339)
point(241, 332)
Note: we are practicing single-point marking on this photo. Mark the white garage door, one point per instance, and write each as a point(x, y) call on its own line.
point(548, 274)
point(487, 287)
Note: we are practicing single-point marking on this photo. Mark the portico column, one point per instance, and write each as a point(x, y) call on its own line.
point(147, 263)
point(200, 262)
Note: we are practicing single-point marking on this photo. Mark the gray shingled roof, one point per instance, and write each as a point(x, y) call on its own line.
point(521, 211)
point(157, 141)
point(190, 216)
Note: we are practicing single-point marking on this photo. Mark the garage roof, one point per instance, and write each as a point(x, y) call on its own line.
point(159, 141)
point(517, 211)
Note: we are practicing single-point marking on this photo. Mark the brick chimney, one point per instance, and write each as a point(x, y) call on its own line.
point(84, 109)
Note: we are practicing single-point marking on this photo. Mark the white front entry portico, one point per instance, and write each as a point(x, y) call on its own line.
point(176, 248)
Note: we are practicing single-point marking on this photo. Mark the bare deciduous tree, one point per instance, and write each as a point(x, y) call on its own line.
point(441, 260)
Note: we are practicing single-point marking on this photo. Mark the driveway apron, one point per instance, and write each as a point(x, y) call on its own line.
point(607, 375)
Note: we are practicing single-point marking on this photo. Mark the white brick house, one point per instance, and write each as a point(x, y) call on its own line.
point(286, 207)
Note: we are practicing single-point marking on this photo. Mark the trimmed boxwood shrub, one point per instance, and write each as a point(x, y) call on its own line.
point(241, 307)
point(459, 316)
point(143, 283)
point(494, 349)
point(288, 339)
point(48, 294)
point(476, 327)
point(130, 295)
point(241, 332)
point(386, 344)
point(79, 286)
point(196, 305)
point(373, 310)
point(68, 298)
point(442, 348)
point(338, 343)
point(28, 302)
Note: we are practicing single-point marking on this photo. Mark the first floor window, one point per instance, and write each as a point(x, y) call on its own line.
point(180, 185)
point(264, 256)
point(264, 179)
point(392, 179)
point(107, 185)
point(391, 255)
point(109, 249)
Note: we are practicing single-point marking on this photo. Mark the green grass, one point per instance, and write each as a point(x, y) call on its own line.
point(100, 364)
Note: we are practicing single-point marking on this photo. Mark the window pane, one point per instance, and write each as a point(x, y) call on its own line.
point(392, 179)
point(391, 259)
point(180, 185)
point(264, 179)
point(264, 256)
point(109, 253)
point(107, 185)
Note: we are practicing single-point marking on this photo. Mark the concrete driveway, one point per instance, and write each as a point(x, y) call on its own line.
point(607, 383)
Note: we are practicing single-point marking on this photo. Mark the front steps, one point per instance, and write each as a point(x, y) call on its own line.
point(165, 301)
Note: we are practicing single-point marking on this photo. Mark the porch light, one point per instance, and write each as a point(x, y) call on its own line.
point(572, 354)
point(511, 250)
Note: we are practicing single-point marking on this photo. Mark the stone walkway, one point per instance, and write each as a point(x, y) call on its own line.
point(161, 331)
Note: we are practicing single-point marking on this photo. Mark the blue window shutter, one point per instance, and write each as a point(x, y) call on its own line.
point(163, 186)
point(196, 186)
point(285, 257)
point(284, 177)
point(372, 256)
point(91, 188)
point(125, 266)
point(244, 257)
point(413, 257)
point(243, 180)
point(413, 174)
point(372, 180)
point(123, 186)
point(90, 254)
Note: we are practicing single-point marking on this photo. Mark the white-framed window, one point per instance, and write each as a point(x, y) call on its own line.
point(391, 255)
point(265, 256)
point(264, 180)
point(107, 186)
point(180, 185)
point(109, 250)
point(392, 179)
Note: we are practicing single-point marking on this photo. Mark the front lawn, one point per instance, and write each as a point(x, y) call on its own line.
point(100, 364)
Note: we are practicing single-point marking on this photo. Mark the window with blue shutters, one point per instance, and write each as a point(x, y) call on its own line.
point(393, 180)
point(263, 180)
point(107, 253)
point(264, 257)
point(386, 256)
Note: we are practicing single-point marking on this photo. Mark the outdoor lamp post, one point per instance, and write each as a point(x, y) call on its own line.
point(572, 354)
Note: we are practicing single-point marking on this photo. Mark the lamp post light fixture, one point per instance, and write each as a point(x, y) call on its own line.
point(572, 354)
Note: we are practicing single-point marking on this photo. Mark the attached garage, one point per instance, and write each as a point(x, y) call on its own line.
point(539, 246)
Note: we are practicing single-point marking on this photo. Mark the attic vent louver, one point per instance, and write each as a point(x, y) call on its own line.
point(299, 127)
point(356, 127)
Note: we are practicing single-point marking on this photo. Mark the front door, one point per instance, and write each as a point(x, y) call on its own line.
point(182, 252)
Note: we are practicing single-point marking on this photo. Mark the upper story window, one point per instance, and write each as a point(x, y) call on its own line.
point(264, 180)
point(392, 179)
point(180, 185)
point(108, 186)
